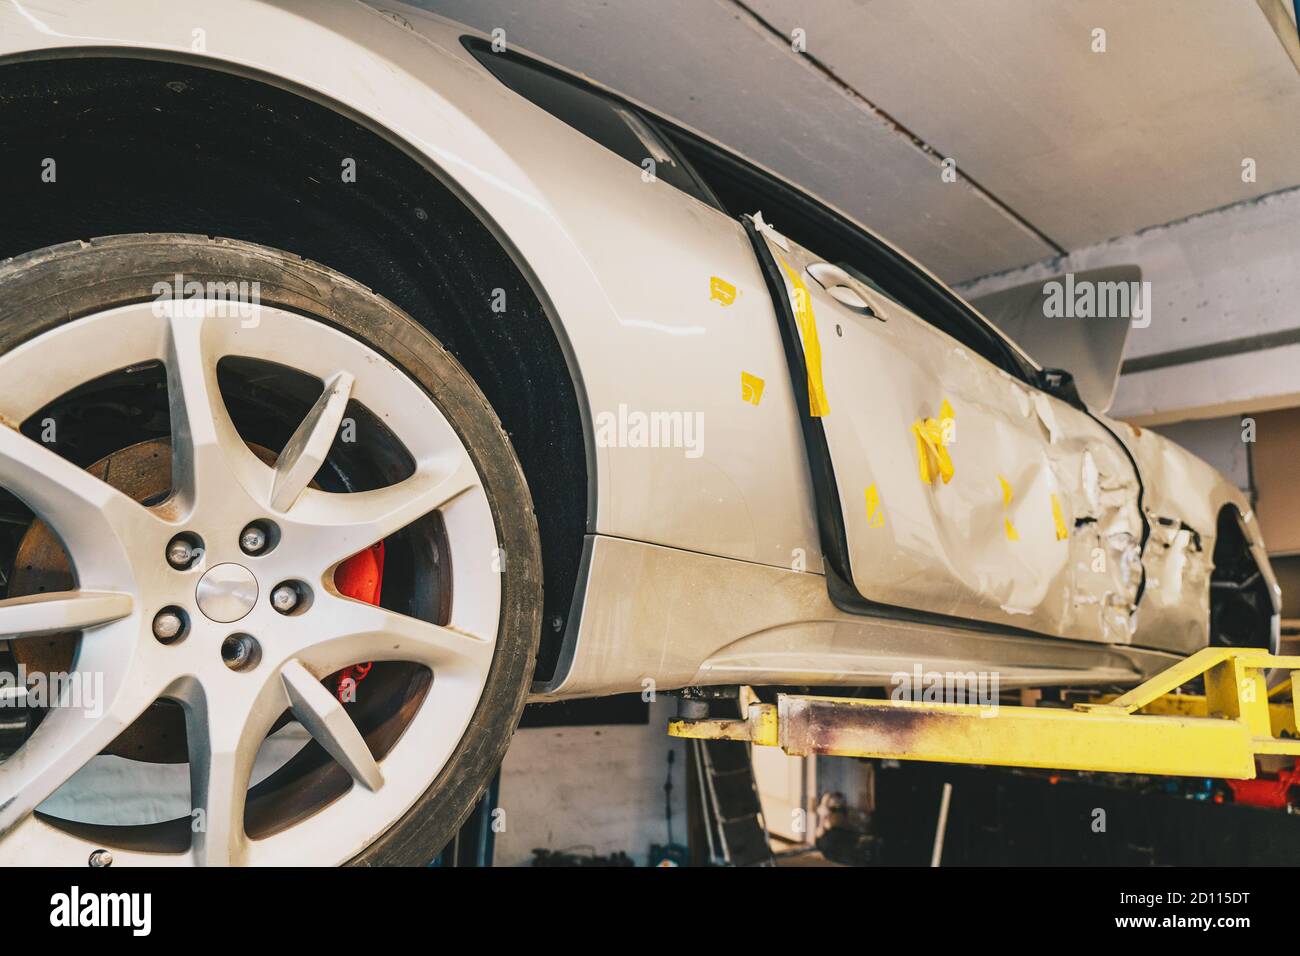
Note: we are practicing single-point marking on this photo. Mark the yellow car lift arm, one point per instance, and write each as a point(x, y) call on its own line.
point(1148, 730)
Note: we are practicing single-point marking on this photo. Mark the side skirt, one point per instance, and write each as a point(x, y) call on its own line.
point(657, 618)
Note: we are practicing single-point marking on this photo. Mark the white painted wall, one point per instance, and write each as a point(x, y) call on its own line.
point(1217, 441)
point(598, 788)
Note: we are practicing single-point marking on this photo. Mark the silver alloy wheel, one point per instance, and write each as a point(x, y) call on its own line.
point(119, 552)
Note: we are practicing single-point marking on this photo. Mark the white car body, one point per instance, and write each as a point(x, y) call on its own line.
point(703, 564)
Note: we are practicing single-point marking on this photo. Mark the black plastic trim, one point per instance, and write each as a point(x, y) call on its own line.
point(830, 520)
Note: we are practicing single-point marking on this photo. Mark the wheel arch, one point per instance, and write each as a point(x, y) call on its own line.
point(1245, 600)
point(455, 251)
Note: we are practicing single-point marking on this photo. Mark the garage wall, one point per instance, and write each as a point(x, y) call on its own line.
point(1275, 460)
point(597, 789)
point(1217, 441)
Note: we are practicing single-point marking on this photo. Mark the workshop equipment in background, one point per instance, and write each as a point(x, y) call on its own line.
point(842, 835)
point(1148, 730)
point(1271, 791)
point(671, 853)
point(728, 799)
point(568, 858)
point(1003, 816)
point(723, 797)
point(941, 828)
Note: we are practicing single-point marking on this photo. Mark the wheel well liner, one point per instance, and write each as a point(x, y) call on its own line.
point(1241, 605)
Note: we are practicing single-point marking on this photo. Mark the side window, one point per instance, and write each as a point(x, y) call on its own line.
point(742, 188)
point(899, 280)
point(615, 125)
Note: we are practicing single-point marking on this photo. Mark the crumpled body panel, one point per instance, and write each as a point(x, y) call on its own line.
point(1182, 497)
point(1105, 530)
point(964, 491)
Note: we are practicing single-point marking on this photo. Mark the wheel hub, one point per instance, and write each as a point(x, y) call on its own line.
point(226, 593)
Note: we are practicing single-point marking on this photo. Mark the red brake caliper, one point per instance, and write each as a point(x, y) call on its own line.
point(360, 577)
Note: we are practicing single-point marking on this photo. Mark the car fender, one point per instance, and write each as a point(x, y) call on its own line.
point(1182, 497)
point(407, 76)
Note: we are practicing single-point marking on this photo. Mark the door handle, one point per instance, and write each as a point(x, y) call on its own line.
point(839, 285)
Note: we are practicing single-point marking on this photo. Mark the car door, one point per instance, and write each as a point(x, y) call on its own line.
point(962, 490)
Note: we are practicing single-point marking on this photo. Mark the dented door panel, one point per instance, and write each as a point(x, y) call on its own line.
point(964, 491)
point(1105, 525)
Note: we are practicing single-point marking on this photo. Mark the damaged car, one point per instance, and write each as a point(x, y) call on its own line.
point(359, 389)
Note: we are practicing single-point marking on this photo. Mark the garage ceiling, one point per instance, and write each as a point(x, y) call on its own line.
point(1059, 147)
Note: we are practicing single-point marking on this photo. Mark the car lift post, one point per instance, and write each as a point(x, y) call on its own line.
point(1148, 730)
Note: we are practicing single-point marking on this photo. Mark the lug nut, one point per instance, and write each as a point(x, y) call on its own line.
point(100, 859)
point(285, 598)
point(252, 539)
point(240, 651)
point(291, 597)
point(182, 552)
point(168, 625)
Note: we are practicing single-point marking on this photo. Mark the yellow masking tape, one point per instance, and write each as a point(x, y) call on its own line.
point(936, 432)
point(721, 291)
point(931, 456)
point(1007, 526)
point(922, 453)
point(875, 516)
point(1062, 532)
point(751, 388)
point(812, 349)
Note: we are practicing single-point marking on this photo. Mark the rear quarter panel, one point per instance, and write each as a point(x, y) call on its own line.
point(1182, 497)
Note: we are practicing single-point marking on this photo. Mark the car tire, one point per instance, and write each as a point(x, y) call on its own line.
point(41, 290)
